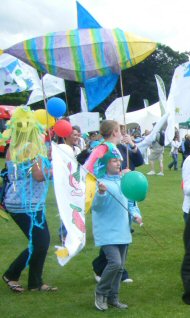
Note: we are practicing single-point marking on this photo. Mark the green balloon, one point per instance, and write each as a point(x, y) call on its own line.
point(134, 186)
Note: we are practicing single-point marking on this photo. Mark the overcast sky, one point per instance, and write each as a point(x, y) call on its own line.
point(163, 21)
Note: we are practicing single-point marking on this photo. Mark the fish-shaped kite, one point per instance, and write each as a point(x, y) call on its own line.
point(82, 54)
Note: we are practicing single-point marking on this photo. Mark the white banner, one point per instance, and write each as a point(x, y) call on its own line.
point(16, 76)
point(86, 121)
point(178, 103)
point(69, 185)
point(161, 94)
point(179, 96)
point(52, 86)
point(117, 109)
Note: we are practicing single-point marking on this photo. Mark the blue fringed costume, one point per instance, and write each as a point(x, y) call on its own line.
point(29, 172)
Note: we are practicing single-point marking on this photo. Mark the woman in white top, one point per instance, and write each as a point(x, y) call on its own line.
point(174, 153)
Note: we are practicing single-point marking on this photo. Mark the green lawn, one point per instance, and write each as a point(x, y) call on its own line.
point(154, 262)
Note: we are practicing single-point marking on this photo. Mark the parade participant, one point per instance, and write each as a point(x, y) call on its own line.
point(111, 231)
point(29, 172)
point(175, 144)
point(131, 158)
point(156, 153)
point(185, 268)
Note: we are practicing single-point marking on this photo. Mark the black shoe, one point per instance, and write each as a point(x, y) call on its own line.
point(186, 298)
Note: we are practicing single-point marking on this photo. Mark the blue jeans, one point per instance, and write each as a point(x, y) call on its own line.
point(174, 163)
point(111, 277)
point(100, 262)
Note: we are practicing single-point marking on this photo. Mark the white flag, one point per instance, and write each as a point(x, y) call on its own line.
point(16, 76)
point(179, 96)
point(87, 121)
point(69, 185)
point(161, 94)
point(178, 103)
point(117, 109)
point(52, 86)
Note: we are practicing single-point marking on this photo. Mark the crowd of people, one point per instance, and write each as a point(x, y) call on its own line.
point(107, 154)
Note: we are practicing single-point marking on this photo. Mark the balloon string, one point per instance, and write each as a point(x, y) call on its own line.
point(93, 176)
point(141, 225)
point(150, 235)
point(114, 196)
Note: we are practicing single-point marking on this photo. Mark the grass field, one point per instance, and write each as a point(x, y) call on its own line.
point(154, 261)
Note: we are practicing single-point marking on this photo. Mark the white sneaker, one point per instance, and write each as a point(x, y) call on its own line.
point(160, 174)
point(97, 278)
point(101, 302)
point(151, 173)
point(127, 280)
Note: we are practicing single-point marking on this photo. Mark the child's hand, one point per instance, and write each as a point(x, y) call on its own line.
point(138, 219)
point(101, 188)
point(124, 171)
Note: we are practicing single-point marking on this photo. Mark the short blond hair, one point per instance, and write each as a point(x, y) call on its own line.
point(107, 127)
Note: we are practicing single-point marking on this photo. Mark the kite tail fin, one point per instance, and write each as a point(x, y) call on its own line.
point(1, 52)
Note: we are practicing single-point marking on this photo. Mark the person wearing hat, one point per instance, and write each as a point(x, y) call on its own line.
point(29, 172)
point(131, 158)
point(111, 229)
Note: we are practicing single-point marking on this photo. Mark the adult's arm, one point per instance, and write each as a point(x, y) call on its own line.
point(135, 159)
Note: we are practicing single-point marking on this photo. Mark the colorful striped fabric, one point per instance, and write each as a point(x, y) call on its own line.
point(82, 54)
